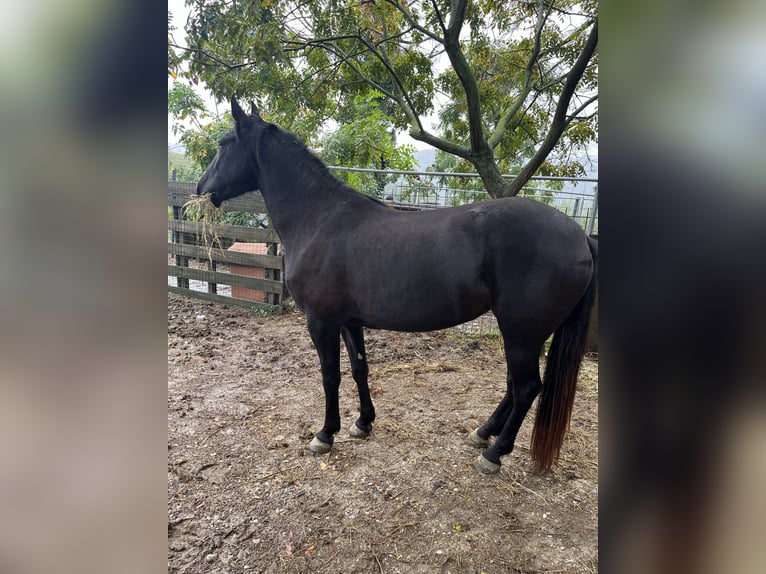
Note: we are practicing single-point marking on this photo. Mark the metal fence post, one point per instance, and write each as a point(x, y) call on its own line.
point(592, 220)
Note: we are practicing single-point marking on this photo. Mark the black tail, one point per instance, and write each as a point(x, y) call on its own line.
point(560, 378)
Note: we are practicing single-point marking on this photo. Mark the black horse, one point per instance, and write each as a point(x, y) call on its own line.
point(353, 262)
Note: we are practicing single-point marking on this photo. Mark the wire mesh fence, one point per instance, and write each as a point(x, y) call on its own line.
point(419, 190)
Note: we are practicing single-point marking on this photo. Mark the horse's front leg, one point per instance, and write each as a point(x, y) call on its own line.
point(326, 338)
point(353, 336)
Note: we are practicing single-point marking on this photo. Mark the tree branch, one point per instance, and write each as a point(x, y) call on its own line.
point(465, 75)
point(584, 105)
point(439, 143)
point(553, 82)
point(413, 24)
point(403, 98)
point(318, 41)
point(439, 17)
point(571, 38)
point(329, 46)
point(339, 53)
point(502, 124)
point(400, 96)
point(210, 56)
point(559, 122)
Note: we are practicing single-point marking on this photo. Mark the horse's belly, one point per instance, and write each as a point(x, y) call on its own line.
point(424, 311)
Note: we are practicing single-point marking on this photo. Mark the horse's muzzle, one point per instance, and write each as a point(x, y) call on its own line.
point(213, 196)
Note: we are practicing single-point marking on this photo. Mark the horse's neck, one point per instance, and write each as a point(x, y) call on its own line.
point(298, 195)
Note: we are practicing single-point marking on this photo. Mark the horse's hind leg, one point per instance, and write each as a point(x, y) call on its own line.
point(524, 375)
point(495, 423)
point(327, 342)
point(353, 336)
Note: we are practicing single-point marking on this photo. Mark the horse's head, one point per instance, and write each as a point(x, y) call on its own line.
point(233, 170)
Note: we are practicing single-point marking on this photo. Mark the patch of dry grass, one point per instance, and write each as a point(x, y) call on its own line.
point(200, 209)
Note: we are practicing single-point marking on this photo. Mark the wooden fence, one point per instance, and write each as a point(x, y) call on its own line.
point(210, 273)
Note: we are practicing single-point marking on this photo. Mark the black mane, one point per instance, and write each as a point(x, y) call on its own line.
point(315, 170)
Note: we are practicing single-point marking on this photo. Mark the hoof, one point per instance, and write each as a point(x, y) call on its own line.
point(318, 447)
point(475, 440)
point(356, 432)
point(485, 466)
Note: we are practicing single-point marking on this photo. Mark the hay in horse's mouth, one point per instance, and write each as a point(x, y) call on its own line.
point(201, 209)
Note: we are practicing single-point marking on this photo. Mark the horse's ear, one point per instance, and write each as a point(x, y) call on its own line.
point(237, 112)
point(254, 109)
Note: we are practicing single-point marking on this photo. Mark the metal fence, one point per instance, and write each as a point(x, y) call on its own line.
point(417, 190)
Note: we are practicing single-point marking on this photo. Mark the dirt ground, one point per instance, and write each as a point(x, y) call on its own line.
point(246, 495)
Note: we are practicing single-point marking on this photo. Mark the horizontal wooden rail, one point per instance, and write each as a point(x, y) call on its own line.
point(225, 256)
point(262, 307)
point(229, 231)
point(267, 285)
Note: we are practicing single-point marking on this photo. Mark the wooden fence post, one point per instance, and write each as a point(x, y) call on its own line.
point(178, 237)
point(272, 298)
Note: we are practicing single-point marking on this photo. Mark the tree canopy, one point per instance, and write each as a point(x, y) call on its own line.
point(510, 82)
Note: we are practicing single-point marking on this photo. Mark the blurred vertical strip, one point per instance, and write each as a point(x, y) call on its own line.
point(82, 330)
point(682, 322)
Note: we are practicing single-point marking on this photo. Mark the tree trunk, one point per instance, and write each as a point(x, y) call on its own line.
point(490, 174)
